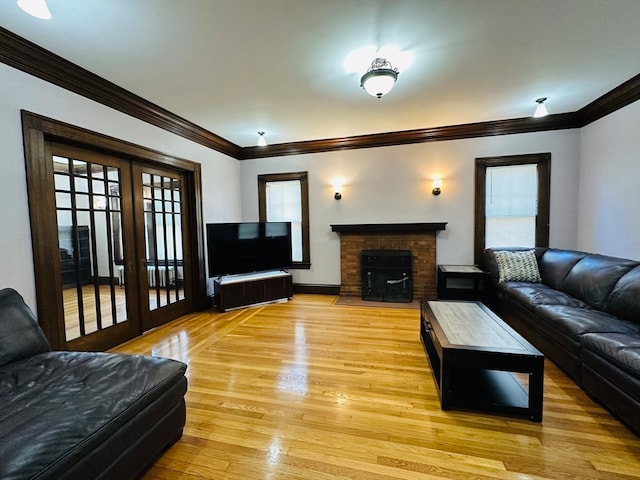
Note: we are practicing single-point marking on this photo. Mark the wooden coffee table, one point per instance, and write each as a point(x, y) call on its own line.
point(473, 355)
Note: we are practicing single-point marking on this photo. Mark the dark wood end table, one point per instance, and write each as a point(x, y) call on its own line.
point(473, 355)
point(462, 282)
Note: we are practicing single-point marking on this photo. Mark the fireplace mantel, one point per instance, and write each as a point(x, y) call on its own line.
point(389, 227)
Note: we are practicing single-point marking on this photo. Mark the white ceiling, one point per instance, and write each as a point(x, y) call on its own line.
point(235, 67)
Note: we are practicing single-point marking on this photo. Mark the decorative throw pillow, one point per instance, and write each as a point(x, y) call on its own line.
point(517, 266)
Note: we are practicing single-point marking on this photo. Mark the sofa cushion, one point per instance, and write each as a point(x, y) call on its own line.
point(592, 279)
point(517, 266)
point(621, 350)
point(530, 295)
point(574, 322)
point(555, 264)
point(58, 407)
point(19, 330)
point(624, 300)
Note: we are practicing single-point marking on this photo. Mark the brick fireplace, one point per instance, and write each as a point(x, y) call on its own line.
point(419, 238)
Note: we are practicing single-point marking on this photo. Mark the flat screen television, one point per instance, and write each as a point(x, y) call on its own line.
point(248, 247)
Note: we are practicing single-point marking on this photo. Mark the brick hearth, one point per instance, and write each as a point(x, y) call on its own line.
point(419, 238)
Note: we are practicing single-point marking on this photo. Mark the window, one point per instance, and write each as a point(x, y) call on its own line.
point(512, 202)
point(284, 197)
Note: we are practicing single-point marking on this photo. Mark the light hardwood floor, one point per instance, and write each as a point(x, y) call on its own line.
point(107, 316)
point(312, 390)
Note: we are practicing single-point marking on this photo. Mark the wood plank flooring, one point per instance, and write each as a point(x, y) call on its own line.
point(312, 390)
point(108, 316)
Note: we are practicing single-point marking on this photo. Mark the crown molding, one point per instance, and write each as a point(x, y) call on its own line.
point(30, 58)
point(624, 94)
point(435, 134)
point(24, 55)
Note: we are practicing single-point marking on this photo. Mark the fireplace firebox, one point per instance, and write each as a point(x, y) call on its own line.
point(387, 275)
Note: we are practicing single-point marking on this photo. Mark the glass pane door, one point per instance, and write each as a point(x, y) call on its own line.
point(162, 244)
point(163, 239)
point(89, 216)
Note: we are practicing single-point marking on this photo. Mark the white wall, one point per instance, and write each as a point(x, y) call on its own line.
point(221, 174)
point(393, 184)
point(609, 214)
point(597, 168)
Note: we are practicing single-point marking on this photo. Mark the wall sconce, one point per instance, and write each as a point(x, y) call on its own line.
point(337, 188)
point(437, 186)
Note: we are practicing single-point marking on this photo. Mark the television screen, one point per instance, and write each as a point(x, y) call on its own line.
point(248, 247)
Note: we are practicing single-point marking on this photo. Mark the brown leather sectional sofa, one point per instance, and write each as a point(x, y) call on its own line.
point(80, 415)
point(585, 316)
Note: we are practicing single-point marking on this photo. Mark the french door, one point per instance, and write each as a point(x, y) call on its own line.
point(95, 236)
point(119, 240)
point(162, 251)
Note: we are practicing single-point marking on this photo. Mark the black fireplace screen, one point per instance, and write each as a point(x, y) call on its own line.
point(387, 275)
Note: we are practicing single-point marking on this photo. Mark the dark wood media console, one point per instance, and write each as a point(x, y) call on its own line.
point(235, 291)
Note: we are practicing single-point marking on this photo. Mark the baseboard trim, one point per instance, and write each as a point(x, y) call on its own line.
point(316, 289)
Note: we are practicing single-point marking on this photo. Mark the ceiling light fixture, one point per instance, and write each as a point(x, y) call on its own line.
point(35, 8)
point(541, 110)
point(262, 142)
point(380, 78)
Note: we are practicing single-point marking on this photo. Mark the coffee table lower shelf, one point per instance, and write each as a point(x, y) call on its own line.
point(488, 390)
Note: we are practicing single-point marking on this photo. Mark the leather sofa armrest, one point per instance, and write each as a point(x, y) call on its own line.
point(490, 264)
point(20, 334)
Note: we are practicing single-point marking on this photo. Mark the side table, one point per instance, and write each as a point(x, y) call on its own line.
point(462, 282)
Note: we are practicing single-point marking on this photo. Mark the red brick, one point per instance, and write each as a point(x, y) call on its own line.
point(423, 250)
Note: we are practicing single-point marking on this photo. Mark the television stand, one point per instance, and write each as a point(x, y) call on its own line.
point(235, 291)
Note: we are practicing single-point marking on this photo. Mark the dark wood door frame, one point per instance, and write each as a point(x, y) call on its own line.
point(38, 131)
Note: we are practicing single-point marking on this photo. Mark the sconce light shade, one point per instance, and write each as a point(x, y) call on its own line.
point(380, 78)
point(262, 142)
point(541, 110)
point(437, 186)
point(35, 8)
point(337, 187)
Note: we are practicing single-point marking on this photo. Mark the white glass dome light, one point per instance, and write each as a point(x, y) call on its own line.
point(380, 78)
point(35, 8)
